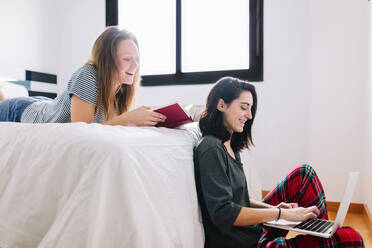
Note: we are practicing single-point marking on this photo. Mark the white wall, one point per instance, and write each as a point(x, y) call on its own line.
point(312, 104)
point(79, 23)
point(282, 123)
point(48, 36)
point(27, 41)
point(339, 92)
point(367, 183)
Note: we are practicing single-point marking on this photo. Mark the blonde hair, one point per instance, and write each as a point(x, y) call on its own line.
point(111, 100)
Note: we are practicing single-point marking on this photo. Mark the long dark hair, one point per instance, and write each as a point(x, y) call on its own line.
point(211, 121)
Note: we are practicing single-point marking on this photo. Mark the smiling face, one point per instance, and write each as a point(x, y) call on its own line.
point(237, 112)
point(127, 61)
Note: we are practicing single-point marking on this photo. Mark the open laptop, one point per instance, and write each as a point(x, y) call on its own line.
point(318, 227)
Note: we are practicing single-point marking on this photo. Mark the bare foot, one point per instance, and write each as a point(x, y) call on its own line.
point(2, 96)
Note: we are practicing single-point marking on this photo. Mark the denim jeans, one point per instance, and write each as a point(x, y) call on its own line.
point(11, 109)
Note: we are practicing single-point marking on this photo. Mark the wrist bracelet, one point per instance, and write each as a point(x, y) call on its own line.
point(280, 211)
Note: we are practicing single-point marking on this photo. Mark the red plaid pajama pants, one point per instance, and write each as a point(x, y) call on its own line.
point(302, 186)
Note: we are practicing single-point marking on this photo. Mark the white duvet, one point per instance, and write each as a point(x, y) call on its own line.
point(80, 185)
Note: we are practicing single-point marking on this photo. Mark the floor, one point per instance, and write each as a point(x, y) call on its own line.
point(354, 220)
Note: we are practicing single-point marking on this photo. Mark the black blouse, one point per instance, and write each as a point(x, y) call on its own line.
point(222, 192)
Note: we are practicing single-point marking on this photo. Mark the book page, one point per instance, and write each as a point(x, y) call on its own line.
point(190, 110)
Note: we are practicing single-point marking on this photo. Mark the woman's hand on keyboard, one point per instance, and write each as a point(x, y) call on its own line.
point(287, 205)
point(300, 213)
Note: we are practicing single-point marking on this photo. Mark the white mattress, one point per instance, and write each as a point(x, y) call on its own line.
point(89, 185)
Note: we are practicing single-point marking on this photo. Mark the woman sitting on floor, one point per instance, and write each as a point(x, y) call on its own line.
point(230, 217)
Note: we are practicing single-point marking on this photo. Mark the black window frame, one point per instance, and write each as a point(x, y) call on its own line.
point(253, 74)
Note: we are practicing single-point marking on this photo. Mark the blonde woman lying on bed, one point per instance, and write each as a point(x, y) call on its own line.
point(101, 91)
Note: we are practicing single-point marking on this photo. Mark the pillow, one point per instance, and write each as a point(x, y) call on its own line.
point(199, 110)
point(13, 90)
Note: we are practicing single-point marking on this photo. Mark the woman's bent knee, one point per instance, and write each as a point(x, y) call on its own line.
point(348, 235)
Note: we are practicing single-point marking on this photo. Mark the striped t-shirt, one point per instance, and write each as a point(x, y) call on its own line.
point(83, 83)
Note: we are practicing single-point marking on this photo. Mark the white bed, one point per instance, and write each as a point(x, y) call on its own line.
point(80, 185)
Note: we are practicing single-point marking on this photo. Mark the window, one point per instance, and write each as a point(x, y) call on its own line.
point(190, 42)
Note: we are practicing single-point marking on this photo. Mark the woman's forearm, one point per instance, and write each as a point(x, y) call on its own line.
point(117, 121)
point(258, 204)
point(251, 216)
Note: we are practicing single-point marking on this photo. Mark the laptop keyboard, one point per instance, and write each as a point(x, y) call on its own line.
point(317, 225)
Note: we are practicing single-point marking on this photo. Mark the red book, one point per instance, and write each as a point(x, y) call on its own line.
point(176, 115)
